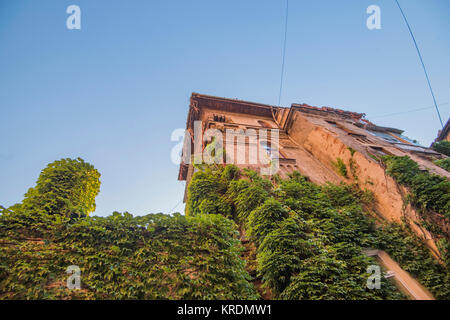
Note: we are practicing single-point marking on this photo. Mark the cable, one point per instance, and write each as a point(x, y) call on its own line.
point(408, 111)
point(171, 211)
point(421, 60)
point(284, 51)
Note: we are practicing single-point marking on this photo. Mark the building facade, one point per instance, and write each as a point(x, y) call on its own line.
point(311, 140)
point(444, 134)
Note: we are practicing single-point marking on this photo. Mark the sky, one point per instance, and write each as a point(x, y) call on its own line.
point(114, 91)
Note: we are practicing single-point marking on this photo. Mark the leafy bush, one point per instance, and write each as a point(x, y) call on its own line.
point(65, 187)
point(340, 167)
point(248, 197)
point(413, 256)
point(281, 253)
point(428, 191)
point(205, 194)
point(309, 239)
point(443, 163)
point(265, 218)
point(124, 257)
point(442, 147)
point(121, 257)
point(340, 195)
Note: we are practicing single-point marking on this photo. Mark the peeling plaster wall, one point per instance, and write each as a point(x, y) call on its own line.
point(311, 140)
point(325, 145)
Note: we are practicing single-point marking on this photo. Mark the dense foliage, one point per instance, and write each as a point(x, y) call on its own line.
point(65, 187)
point(442, 147)
point(305, 241)
point(413, 256)
point(341, 167)
point(428, 191)
point(443, 163)
point(122, 257)
point(309, 239)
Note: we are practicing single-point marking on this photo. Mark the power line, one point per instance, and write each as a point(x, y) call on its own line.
point(408, 111)
point(421, 60)
point(284, 51)
point(171, 211)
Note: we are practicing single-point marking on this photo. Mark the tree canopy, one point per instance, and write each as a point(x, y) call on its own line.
point(65, 187)
point(298, 239)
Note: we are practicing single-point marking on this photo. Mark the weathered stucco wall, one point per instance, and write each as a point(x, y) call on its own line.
point(311, 141)
point(326, 144)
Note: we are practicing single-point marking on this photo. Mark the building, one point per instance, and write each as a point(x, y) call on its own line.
point(314, 141)
point(444, 134)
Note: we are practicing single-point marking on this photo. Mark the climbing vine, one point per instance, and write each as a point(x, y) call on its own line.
point(309, 239)
point(302, 241)
point(340, 166)
point(123, 257)
point(428, 191)
point(443, 163)
point(155, 256)
point(442, 147)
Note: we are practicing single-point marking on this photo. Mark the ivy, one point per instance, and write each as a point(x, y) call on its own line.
point(124, 257)
point(303, 241)
point(265, 219)
point(155, 256)
point(309, 239)
point(282, 251)
point(442, 147)
point(443, 163)
point(340, 167)
point(428, 191)
point(65, 187)
point(205, 194)
point(413, 256)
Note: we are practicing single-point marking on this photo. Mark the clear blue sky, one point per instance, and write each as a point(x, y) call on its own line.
point(113, 91)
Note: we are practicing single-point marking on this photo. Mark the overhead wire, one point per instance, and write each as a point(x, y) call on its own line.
point(178, 203)
point(284, 51)
point(421, 60)
point(408, 111)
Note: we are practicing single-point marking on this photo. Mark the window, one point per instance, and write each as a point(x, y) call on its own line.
point(406, 139)
point(332, 123)
point(387, 137)
point(219, 118)
point(360, 137)
point(268, 149)
point(265, 145)
point(379, 151)
point(273, 154)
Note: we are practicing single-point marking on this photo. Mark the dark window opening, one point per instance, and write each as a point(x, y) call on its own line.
point(332, 123)
point(360, 137)
point(378, 151)
point(387, 137)
point(219, 118)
